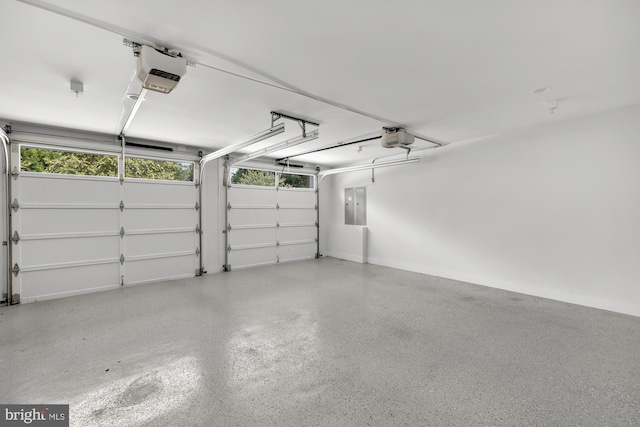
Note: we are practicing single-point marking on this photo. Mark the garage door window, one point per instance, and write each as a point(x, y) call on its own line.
point(135, 167)
point(66, 162)
point(288, 180)
point(256, 177)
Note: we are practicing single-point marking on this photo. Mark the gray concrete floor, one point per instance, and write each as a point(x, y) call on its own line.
point(324, 342)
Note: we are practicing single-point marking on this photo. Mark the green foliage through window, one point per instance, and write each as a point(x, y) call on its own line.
point(288, 180)
point(53, 161)
point(65, 162)
point(253, 177)
point(158, 169)
point(264, 178)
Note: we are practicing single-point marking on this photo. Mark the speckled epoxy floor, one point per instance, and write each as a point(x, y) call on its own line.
point(324, 342)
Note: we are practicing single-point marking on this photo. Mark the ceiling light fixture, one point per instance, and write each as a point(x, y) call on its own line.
point(278, 129)
point(278, 146)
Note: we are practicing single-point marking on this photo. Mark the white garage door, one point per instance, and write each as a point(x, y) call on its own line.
point(74, 234)
point(270, 223)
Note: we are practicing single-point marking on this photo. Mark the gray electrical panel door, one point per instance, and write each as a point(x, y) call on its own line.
point(349, 206)
point(361, 206)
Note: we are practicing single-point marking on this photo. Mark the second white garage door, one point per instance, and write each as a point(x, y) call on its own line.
point(269, 223)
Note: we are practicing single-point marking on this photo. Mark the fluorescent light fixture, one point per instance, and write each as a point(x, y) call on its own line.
point(322, 174)
point(278, 146)
point(255, 138)
point(134, 110)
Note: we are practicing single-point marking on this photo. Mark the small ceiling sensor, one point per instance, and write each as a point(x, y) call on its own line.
point(551, 105)
point(540, 90)
point(77, 87)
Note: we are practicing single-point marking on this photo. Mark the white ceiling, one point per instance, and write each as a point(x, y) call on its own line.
point(450, 70)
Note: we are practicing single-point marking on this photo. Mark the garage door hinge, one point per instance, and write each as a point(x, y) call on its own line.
point(121, 179)
point(15, 205)
point(277, 225)
point(197, 183)
point(14, 173)
point(277, 243)
point(197, 251)
point(197, 205)
point(16, 269)
point(121, 206)
point(317, 225)
point(277, 205)
point(228, 227)
point(277, 258)
point(198, 228)
point(316, 206)
point(121, 232)
point(229, 206)
point(229, 248)
point(121, 259)
point(16, 237)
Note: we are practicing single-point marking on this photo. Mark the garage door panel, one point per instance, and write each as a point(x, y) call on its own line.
point(137, 245)
point(295, 216)
point(253, 257)
point(52, 189)
point(252, 236)
point(296, 197)
point(245, 217)
point(243, 196)
point(55, 251)
point(154, 219)
point(54, 221)
point(145, 192)
point(47, 284)
point(289, 234)
point(297, 251)
point(152, 270)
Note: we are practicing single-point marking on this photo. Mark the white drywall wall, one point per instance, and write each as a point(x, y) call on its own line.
point(552, 210)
